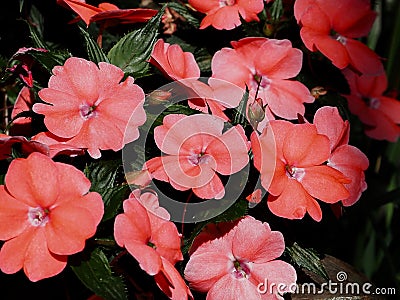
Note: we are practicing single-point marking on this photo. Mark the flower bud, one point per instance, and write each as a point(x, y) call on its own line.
point(256, 112)
point(318, 91)
point(157, 97)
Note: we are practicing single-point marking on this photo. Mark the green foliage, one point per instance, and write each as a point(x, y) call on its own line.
point(308, 259)
point(94, 271)
point(184, 12)
point(95, 53)
point(131, 53)
point(103, 175)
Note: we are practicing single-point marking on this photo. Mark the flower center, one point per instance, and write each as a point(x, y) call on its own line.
point(88, 111)
point(151, 245)
point(223, 3)
point(295, 173)
point(374, 103)
point(198, 159)
point(38, 216)
point(241, 270)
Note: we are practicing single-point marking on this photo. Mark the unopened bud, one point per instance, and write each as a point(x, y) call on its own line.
point(318, 91)
point(256, 111)
point(269, 29)
point(157, 97)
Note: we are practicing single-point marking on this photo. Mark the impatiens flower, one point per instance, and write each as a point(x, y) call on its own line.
point(333, 26)
point(47, 213)
point(380, 114)
point(194, 150)
point(346, 158)
point(236, 264)
point(299, 175)
point(91, 107)
point(265, 67)
point(147, 237)
point(154, 242)
point(173, 62)
point(224, 14)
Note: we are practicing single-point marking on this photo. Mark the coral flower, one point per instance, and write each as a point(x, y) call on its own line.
point(147, 237)
point(224, 14)
point(299, 175)
point(346, 158)
point(265, 67)
point(108, 13)
point(91, 107)
point(173, 61)
point(195, 151)
point(235, 265)
point(182, 67)
point(154, 242)
point(332, 27)
point(380, 114)
point(47, 214)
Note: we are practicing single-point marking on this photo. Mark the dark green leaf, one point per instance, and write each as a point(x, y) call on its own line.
point(103, 175)
point(240, 113)
point(134, 49)
point(113, 198)
point(308, 259)
point(95, 273)
point(36, 20)
point(95, 53)
point(276, 9)
point(184, 12)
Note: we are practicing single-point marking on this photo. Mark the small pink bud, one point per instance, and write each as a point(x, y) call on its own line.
point(157, 97)
point(256, 111)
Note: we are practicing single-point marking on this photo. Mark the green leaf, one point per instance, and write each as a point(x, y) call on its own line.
point(276, 9)
point(95, 53)
point(103, 175)
point(113, 198)
point(308, 259)
point(95, 273)
point(48, 59)
point(240, 113)
point(131, 53)
point(184, 12)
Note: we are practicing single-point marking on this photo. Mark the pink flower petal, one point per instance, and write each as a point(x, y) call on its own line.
point(363, 59)
point(325, 184)
point(39, 262)
point(329, 122)
point(230, 151)
point(36, 187)
point(293, 202)
point(177, 288)
point(12, 254)
point(255, 242)
point(214, 189)
point(303, 147)
point(16, 214)
point(238, 289)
